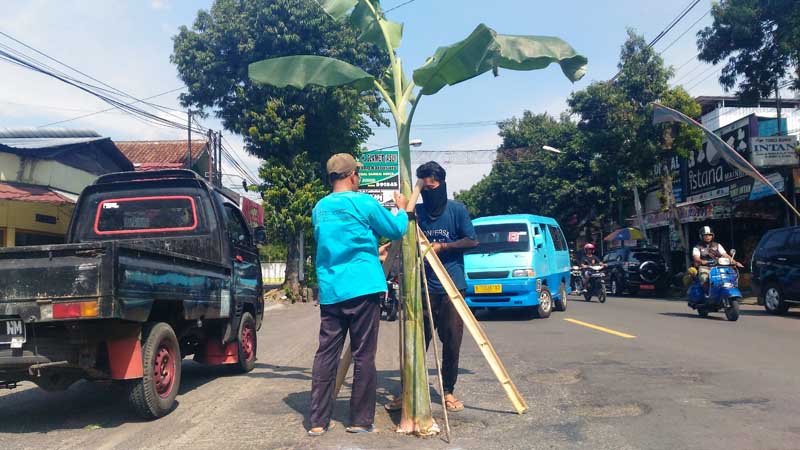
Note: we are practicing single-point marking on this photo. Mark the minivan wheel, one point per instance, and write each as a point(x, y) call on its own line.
point(773, 300)
point(545, 303)
point(561, 303)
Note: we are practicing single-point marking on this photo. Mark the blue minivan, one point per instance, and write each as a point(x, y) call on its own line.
point(522, 261)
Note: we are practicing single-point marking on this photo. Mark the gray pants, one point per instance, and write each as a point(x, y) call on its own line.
point(360, 317)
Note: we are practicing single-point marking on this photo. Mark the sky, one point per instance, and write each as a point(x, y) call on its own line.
point(127, 44)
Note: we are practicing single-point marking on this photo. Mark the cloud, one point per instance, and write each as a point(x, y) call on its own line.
point(159, 4)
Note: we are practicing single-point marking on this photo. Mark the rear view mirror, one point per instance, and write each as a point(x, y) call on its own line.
point(538, 240)
point(260, 235)
point(733, 253)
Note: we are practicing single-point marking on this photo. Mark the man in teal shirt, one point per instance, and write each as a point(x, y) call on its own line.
point(347, 225)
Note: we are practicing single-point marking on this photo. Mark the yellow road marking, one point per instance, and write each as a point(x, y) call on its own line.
point(599, 328)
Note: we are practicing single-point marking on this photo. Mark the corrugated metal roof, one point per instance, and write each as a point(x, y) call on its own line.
point(31, 193)
point(161, 152)
point(46, 133)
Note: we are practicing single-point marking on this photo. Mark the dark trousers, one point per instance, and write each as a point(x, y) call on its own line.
point(360, 317)
point(450, 329)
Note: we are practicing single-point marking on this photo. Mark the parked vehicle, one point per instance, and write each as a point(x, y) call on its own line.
point(596, 287)
point(776, 270)
point(521, 261)
point(635, 269)
point(723, 290)
point(157, 266)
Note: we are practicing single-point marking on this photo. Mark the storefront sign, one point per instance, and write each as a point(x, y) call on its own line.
point(708, 175)
point(774, 151)
point(761, 190)
point(688, 214)
point(380, 176)
point(253, 212)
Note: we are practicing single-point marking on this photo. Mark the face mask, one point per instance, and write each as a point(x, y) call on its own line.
point(435, 200)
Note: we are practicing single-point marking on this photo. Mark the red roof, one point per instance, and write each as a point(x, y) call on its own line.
point(152, 155)
point(30, 193)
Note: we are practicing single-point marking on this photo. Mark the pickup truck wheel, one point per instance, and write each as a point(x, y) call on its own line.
point(247, 344)
point(154, 394)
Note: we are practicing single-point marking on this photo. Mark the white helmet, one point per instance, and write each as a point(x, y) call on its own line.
point(706, 230)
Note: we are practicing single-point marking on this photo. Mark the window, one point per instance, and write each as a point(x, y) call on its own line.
point(775, 240)
point(502, 238)
point(614, 255)
point(794, 240)
point(145, 215)
point(641, 256)
point(238, 234)
point(559, 242)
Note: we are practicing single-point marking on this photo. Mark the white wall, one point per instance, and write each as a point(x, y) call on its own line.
point(43, 172)
point(724, 116)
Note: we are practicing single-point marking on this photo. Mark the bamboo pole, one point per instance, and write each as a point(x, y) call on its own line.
point(435, 344)
point(473, 326)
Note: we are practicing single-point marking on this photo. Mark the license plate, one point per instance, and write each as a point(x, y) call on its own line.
point(488, 288)
point(12, 332)
point(647, 286)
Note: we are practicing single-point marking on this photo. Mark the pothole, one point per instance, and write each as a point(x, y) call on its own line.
point(553, 376)
point(611, 411)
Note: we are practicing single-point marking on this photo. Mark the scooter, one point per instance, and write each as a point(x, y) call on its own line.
point(723, 290)
point(597, 284)
point(576, 279)
point(391, 301)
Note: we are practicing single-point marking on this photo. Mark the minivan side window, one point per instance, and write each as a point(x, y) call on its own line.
point(776, 240)
point(794, 240)
point(559, 242)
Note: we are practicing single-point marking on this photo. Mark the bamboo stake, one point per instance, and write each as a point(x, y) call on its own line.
point(435, 344)
point(473, 326)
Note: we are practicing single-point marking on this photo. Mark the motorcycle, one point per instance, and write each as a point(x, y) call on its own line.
point(576, 279)
point(597, 284)
point(390, 304)
point(723, 290)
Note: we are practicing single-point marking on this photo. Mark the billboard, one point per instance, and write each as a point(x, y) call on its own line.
point(380, 176)
point(774, 151)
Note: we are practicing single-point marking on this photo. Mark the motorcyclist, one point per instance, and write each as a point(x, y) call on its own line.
point(706, 253)
point(589, 259)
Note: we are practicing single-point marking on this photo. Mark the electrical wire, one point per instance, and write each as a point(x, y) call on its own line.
point(399, 6)
point(684, 32)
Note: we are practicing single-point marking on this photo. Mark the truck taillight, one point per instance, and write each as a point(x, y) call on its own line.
point(72, 310)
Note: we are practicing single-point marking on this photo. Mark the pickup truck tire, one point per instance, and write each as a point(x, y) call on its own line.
point(247, 344)
point(153, 395)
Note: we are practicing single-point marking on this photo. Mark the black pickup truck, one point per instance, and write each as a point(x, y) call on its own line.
point(157, 266)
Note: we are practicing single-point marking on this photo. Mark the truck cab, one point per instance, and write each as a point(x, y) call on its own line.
point(157, 266)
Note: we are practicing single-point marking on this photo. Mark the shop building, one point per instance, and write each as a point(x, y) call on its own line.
point(42, 172)
point(708, 191)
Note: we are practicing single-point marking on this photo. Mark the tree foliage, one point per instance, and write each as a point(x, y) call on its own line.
point(293, 131)
point(759, 40)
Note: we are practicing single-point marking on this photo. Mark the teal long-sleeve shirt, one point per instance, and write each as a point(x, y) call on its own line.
point(346, 227)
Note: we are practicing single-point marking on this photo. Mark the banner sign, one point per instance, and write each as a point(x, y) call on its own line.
point(380, 176)
point(253, 212)
point(761, 190)
point(774, 151)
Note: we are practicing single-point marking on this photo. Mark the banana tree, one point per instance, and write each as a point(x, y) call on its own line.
point(482, 51)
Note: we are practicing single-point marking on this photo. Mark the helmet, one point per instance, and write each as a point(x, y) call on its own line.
point(588, 247)
point(706, 230)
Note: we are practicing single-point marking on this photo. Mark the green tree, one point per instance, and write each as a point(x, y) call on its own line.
point(278, 125)
point(758, 40)
point(482, 51)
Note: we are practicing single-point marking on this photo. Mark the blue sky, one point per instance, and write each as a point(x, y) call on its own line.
point(127, 44)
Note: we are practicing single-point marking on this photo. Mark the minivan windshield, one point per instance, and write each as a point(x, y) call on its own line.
point(502, 238)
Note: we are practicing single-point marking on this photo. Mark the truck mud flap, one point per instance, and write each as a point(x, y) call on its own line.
point(216, 353)
point(125, 358)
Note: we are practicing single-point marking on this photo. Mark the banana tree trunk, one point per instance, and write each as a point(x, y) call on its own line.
point(416, 415)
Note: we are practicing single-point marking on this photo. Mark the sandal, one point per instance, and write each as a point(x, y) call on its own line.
point(369, 429)
point(395, 405)
point(322, 430)
point(453, 404)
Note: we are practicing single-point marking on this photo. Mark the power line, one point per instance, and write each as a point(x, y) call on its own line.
point(684, 32)
point(398, 6)
point(713, 72)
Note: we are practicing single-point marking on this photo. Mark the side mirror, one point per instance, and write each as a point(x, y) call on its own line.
point(733, 253)
point(538, 240)
point(260, 235)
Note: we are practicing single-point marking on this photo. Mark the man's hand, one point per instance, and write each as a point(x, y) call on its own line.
point(438, 247)
point(383, 251)
point(400, 200)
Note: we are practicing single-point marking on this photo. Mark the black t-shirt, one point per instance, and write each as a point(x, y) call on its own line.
point(590, 260)
point(454, 224)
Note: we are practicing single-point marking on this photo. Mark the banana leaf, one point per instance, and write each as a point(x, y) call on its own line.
point(485, 50)
point(360, 15)
point(302, 70)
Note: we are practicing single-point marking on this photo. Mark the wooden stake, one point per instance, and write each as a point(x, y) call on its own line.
point(472, 325)
point(435, 344)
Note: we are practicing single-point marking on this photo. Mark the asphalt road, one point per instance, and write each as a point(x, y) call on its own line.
point(680, 382)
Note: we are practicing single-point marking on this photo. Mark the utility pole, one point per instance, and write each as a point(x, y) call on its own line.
point(189, 131)
point(210, 151)
point(219, 158)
